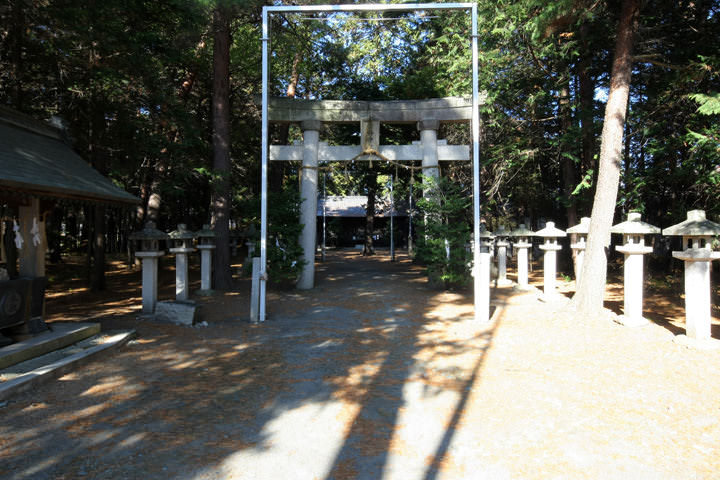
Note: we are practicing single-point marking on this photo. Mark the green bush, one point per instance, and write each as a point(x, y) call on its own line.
point(445, 233)
point(284, 253)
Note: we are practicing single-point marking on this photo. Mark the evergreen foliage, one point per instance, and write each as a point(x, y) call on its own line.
point(444, 235)
point(133, 79)
point(284, 253)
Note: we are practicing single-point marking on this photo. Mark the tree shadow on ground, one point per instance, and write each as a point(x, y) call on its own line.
point(200, 402)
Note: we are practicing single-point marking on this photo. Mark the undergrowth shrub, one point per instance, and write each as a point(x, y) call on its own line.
point(445, 233)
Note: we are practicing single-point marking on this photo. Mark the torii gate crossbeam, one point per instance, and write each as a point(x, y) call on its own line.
point(480, 261)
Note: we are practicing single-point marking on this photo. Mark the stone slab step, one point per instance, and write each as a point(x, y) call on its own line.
point(27, 374)
point(61, 335)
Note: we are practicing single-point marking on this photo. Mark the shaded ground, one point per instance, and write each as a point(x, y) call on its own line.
point(373, 375)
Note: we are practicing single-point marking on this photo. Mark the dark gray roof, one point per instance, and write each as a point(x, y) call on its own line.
point(34, 159)
point(356, 205)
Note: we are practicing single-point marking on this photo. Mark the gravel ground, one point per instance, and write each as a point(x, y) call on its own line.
point(373, 375)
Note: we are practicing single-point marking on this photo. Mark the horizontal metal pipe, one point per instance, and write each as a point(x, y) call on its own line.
point(401, 7)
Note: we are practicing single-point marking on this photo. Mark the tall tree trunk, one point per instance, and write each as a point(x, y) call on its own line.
point(569, 174)
point(97, 279)
point(97, 216)
point(568, 169)
point(16, 48)
point(591, 290)
point(54, 238)
point(586, 86)
point(277, 169)
point(220, 202)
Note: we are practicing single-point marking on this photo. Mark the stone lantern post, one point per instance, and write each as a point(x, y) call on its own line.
point(697, 233)
point(581, 231)
point(522, 245)
point(487, 241)
point(148, 249)
point(486, 244)
point(502, 243)
point(206, 244)
point(550, 233)
point(182, 240)
point(633, 231)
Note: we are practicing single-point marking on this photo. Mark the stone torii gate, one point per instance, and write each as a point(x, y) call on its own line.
point(311, 114)
point(480, 287)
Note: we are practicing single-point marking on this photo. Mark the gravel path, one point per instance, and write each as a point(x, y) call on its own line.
point(372, 375)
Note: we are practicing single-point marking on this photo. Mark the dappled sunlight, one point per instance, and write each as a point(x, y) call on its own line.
point(294, 436)
point(359, 377)
point(105, 386)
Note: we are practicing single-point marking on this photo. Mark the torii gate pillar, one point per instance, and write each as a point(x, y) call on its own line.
point(308, 196)
point(428, 138)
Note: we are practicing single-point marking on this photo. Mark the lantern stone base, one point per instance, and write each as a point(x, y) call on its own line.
point(205, 293)
point(697, 343)
point(178, 312)
point(553, 297)
point(631, 321)
point(526, 288)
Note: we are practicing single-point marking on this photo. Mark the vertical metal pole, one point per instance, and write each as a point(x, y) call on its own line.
point(324, 215)
point(264, 167)
point(410, 213)
point(392, 223)
point(481, 311)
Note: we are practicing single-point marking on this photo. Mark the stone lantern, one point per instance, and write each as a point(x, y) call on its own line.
point(522, 245)
point(206, 244)
point(502, 244)
point(550, 233)
point(148, 249)
point(633, 231)
point(182, 245)
point(581, 231)
point(697, 233)
point(487, 240)
point(483, 270)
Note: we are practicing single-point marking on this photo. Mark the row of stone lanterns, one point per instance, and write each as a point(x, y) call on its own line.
point(148, 249)
point(696, 231)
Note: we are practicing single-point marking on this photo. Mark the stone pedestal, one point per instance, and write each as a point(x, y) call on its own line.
point(178, 312)
point(308, 208)
point(550, 247)
point(521, 245)
point(182, 280)
point(633, 231)
point(483, 292)
point(250, 251)
point(580, 231)
point(550, 268)
point(522, 263)
point(502, 245)
point(502, 280)
point(697, 233)
point(481, 282)
point(149, 280)
point(255, 291)
point(697, 290)
point(206, 267)
point(633, 284)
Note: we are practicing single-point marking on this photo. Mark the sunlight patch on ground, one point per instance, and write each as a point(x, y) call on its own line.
point(105, 387)
point(292, 437)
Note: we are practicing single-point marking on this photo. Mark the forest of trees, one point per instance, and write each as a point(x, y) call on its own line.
point(161, 97)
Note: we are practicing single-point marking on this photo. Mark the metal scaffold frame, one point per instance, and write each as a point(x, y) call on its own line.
point(480, 298)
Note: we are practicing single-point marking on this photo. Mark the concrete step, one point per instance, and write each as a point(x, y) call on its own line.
point(61, 335)
point(31, 372)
